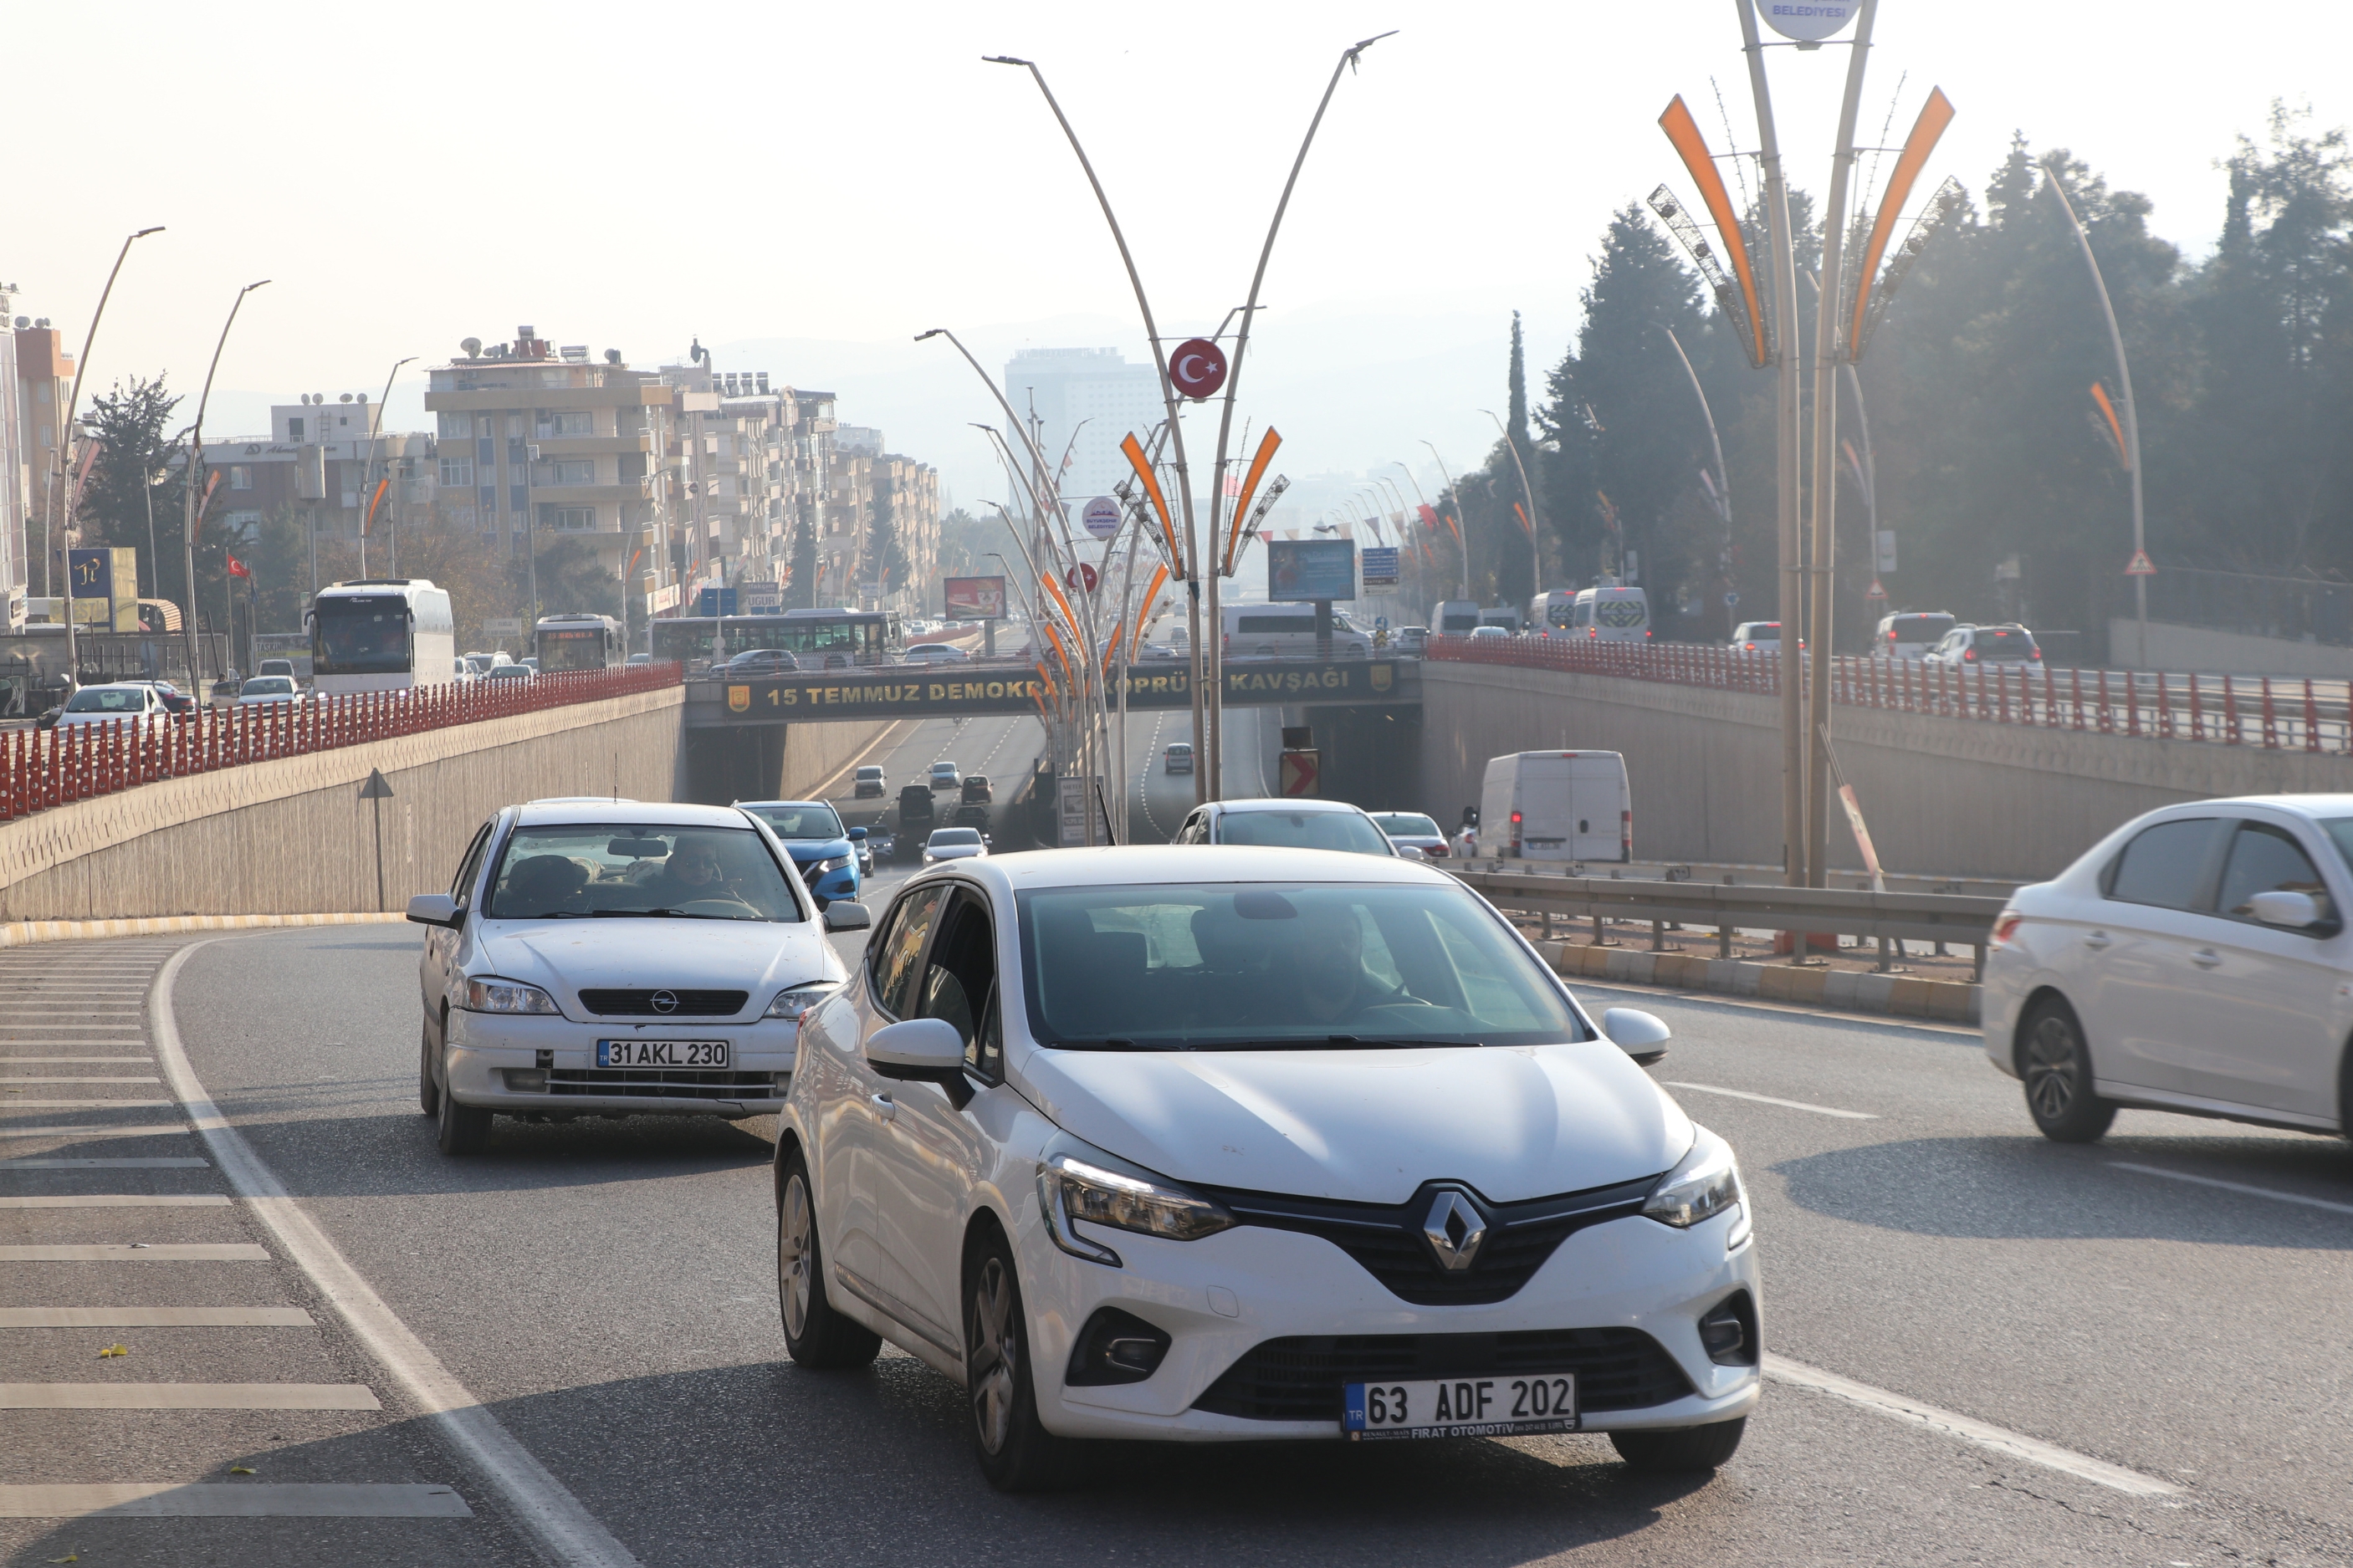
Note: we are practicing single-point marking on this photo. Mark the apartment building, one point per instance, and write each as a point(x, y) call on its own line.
point(1080, 404)
point(35, 390)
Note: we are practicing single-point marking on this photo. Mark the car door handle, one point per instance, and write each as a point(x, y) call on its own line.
point(884, 1106)
point(2098, 942)
point(2205, 958)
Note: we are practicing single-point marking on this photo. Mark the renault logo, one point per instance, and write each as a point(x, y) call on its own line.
point(1454, 1229)
point(664, 1001)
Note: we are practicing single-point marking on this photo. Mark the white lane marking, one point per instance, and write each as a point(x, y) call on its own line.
point(85, 1104)
point(134, 1252)
point(186, 1396)
point(86, 1130)
point(1979, 1433)
point(155, 1318)
point(38, 1164)
point(118, 1201)
point(539, 1503)
point(2272, 1193)
point(169, 1499)
point(27, 1077)
point(117, 1061)
point(1769, 1100)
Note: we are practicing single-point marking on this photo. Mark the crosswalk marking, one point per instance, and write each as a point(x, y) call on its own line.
point(27, 1077)
point(186, 1396)
point(92, 1130)
point(118, 1201)
point(23, 1163)
point(155, 1318)
point(87, 1061)
point(165, 1499)
point(136, 1252)
point(85, 1104)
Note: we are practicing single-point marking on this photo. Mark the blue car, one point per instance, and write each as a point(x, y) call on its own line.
point(823, 851)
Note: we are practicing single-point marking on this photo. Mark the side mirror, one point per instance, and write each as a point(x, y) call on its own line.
point(1410, 852)
point(858, 836)
point(1642, 1036)
point(918, 1050)
point(842, 915)
point(436, 909)
point(2295, 911)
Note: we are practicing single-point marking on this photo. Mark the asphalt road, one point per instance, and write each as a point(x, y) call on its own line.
point(606, 1290)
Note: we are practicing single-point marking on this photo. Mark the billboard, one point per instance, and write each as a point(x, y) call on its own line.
point(975, 598)
point(1306, 569)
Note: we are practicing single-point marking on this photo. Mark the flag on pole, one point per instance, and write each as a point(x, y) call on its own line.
point(1429, 516)
point(238, 569)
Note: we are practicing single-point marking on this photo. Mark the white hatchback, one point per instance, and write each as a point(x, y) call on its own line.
point(611, 957)
point(1219, 1144)
point(2195, 960)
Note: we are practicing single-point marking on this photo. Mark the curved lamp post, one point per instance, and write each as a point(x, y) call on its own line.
point(376, 428)
point(1462, 542)
point(196, 465)
point(1536, 553)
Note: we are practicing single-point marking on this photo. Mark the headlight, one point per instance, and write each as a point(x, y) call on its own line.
point(495, 996)
point(1703, 1184)
point(799, 999)
point(836, 864)
point(1072, 1188)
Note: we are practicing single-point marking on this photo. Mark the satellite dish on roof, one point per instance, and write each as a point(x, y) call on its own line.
point(347, 397)
point(360, 398)
point(473, 347)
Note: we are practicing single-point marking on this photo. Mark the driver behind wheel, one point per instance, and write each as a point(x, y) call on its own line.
point(1329, 982)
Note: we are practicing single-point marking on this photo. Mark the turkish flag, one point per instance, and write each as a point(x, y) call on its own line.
point(237, 568)
point(1429, 516)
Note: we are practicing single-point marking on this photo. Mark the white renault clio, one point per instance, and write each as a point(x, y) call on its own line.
point(1211, 1143)
point(607, 958)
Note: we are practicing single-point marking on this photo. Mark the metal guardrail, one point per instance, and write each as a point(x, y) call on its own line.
point(1957, 919)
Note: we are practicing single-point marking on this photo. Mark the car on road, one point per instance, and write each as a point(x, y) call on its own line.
point(481, 662)
point(822, 849)
point(1910, 634)
point(500, 673)
point(936, 653)
point(916, 814)
point(608, 958)
point(954, 844)
point(758, 661)
point(264, 690)
point(1558, 805)
point(862, 843)
point(2195, 960)
point(1245, 1144)
point(971, 814)
point(133, 702)
point(638, 658)
point(462, 672)
point(868, 782)
point(177, 700)
point(1489, 634)
point(1179, 757)
point(284, 666)
point(1411, 828)
point(1287, 824)
point(945, 776)
point(975, 790)
point(1757, 637)
point(1412, 642)
point(1985, 644)
point(1288, 631)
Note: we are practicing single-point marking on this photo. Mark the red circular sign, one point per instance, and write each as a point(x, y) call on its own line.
point(1198, 367)
point(1082, 578)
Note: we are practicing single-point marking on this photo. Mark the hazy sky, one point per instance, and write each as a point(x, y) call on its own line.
point(806, 188)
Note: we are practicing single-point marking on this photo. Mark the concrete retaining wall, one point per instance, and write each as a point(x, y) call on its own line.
point(291, 837)
point(1942, 796)
point(2226, 653)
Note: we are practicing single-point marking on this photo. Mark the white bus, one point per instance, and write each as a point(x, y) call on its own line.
point(579, 640)
point(381, 633)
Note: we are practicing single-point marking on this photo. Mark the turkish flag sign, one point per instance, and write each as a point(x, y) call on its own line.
point(1198, 367)
point(237, 568)
point(1429, 516)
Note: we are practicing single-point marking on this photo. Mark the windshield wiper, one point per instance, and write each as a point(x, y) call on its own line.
point(661, 914)
point(1343, 1043)
point(1118, 1042)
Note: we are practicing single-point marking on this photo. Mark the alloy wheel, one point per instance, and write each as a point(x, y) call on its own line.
point(990, 1334)
point(2054, 1067)
point(793, 1255)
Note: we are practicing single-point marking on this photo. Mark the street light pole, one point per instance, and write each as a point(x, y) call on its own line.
point(1535, 554)
point(2131, 419)
point(1462, 539)
point(1723, 478)
point(375, 428)
point(195, 465)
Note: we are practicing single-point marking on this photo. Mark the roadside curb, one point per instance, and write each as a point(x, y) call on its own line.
point(25, 932)
point(1897, 996)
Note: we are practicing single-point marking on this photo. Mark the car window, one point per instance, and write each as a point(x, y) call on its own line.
point(898, 957)
point(2267, 859)
point(1341, 830)
point(2163, 865)
point(560, 871)
point(1409, 824)
point(960, 984)
point(813, 820)
point(461, 887)
point(106, 699)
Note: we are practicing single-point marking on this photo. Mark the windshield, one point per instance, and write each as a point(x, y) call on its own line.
point(1405, 823)
point(509, 672)
point(949, 837)
point(814, 819)
point(359, 636)
point(1211, 967)
point(571, 649)
point(1341, 830)
point(597, 868)
point(98, 701)
point(1919, 628)
point(1997, 643)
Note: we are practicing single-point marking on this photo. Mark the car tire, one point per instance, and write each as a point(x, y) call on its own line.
point(1016, 1451)
point(464, 1129)
point(1680, 1450)
point(429, 1092)
point(824, 1339)
point(2055, 1065)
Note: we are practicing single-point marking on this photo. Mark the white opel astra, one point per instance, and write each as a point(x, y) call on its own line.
point(1208, 1144)
point(608, 958)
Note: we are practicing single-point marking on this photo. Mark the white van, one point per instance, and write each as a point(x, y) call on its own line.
point(1611, 614)
point(1551, 615)
point(1287, 631)
point(1910, 634)
point(1454, 617)
point(1556, 806)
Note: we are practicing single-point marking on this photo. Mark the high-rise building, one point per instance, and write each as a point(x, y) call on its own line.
point(16, 488)
point(1092, 394)
point(43, 382)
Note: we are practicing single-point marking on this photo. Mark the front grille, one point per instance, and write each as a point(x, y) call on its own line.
point(1300, 1379)
point(640, 1004)
point(1385, 1239)
point(663, 1083)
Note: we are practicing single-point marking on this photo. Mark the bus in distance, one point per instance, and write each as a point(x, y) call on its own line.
point(578, 640)
point(820, 639)
point(380, 634)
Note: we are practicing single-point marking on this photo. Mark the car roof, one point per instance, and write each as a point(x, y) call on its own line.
point(593, 810)
point(1145, 864)
point(773, 805)
point(1285, 804)
point(2312, 805)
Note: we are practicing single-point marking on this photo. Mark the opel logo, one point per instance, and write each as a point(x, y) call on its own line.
point(664, 1001)
point(1454, 1229)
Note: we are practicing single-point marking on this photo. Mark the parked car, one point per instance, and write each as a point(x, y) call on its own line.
point(133, 703)
point(1179, 757)
point(868, 782)
point(1985, 645)
point(2194, 960)
point(1558, 805)
point(945, 776)
point(756, 661)
point(1223, 1145)
point(1289, 824)
point(954, 844)
point(936, 653)
point(822, 849)
point(1910, 634)
point(976, 788)
point(1412, 829)
point(264, 690)
point(685, 996)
